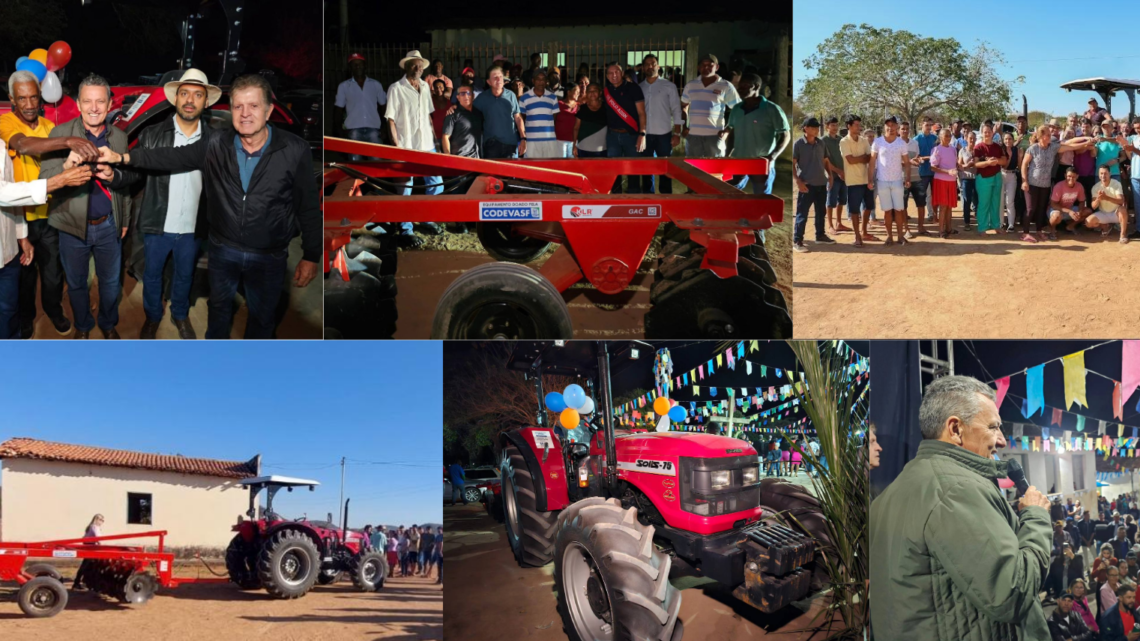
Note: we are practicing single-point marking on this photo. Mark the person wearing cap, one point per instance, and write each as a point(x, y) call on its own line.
point(92, 219)
point(467, 77)
point(704, 102)
point(1119, 621)
point(260, 194)
point(836, 179)
point(25, 132)
point(663, 122)
point(811, 179)
point(538, 108)
point(410, 127)
point(1096, 113)
point(359, 105)
point(436, 73)
point(172, 205)
point(759, 130)
point(1067, 625)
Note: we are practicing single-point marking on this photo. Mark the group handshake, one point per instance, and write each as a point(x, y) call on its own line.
point(84, 164)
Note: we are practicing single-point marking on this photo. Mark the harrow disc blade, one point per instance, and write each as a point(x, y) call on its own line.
point(140, 587)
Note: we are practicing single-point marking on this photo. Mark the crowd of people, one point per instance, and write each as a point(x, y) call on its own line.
point(245, 197)
point(784, 457)
point(508, 112)
point(412, 551)
point(1082, 173)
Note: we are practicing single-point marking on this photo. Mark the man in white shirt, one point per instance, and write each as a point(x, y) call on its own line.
point(15, 249)
point(359, 103)
point(409, 123)
point(890, 176)
point(664, 120)
point(705, 102)
point(1108, 206)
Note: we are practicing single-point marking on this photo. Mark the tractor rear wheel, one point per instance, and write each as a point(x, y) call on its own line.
point(42, 597)
point(241, 563)
point(501, 300)
point(43, 569)
point(288, 564)
point(368, 570)
point(362, 308)
point(612, 583)
point(504, 245)
point(329, 577)
point(530, 532)
point(802, 512)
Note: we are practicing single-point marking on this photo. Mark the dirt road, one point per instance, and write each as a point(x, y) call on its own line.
point(405, 609)
point(495, 599)
point(971, 286)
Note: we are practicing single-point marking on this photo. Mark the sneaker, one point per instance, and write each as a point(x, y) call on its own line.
point(824, 240)
point(62, 325)
point(799, 247)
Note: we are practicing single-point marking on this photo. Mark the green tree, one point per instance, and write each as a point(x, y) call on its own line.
point(878, 72)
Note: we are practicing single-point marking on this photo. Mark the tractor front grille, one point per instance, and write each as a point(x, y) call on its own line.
point(698, 494)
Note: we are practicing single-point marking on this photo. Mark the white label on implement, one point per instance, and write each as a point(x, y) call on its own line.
point(664, 468)
point(510, 211)
point(137, 105)
point(14, 552)
point(64, 554)
point(610, 211)
point(162, 565)
point(542, 439)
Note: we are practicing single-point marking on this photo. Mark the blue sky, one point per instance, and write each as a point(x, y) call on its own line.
point(1020, 30)
point(302, 405)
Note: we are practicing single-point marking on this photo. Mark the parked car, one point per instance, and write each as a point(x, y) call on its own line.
point(479, 480)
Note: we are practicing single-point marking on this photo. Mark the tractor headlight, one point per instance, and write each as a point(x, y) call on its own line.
point(721, 479)
point(750, 475)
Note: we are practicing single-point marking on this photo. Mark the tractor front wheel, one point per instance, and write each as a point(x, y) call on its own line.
point(530, 532)
point(612, 582)
point(241, 562)
point(368, 570)
point(288, 564)
point(42, 597)
point(501, 300)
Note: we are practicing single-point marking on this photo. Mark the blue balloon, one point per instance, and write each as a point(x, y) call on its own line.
point(21, 59)
point(555, 402)
point(677, 414)
point(574, 395)
point(35, 66)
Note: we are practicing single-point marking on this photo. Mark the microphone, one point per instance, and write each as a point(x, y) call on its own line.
point(1017, 475)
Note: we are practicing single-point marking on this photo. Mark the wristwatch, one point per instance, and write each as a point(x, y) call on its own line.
point(523, 138)
point(640, 134)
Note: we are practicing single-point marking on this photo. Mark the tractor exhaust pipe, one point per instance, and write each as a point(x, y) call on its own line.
point(344, 523)
point(607, 414)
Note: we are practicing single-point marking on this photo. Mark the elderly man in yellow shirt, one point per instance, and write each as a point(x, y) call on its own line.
point(25, 133)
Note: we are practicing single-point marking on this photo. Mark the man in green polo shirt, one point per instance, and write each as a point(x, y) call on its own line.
point(760, 130)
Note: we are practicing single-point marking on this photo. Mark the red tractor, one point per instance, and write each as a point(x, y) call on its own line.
point(617, 515)
point(287, 557)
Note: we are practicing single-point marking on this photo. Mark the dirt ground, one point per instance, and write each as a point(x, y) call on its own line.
point(501, 600)
point(424, 274)
point(970, 286)
point(405, 610)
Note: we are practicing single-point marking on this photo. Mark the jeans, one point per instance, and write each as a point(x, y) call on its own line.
point(582, 153)
point(10, 298)
point(495, 149)
point(157, 247)
point(457, 490)
point(75, 253)
point(623, 145)
point(45, 241)
point(434, 188)
point(760, 184)
point(836, 195)
point(1135, 192)
point(1010, 189)
point(264, 279)
point(364, 134)
point(969, 197)
point(816, 195)
point(704, 146)
point(659, 145)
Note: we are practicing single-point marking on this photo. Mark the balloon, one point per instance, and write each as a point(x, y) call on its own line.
point(663, 424)
point(661, 406)
point(20, 59)
point(59, 54)
point(50, 88)
point(40, 55)
point(574, 395)
point(36, 67)
point(587, 407)
point(677, 414)
point(569, 418)
point(555, 402)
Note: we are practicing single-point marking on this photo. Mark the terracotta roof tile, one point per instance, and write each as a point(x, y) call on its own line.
point(31, 448)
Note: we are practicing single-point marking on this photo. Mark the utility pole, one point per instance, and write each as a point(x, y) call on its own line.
point(340, 510)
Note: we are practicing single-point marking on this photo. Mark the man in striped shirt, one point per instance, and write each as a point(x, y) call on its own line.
point(538, 107)
point(705, 102)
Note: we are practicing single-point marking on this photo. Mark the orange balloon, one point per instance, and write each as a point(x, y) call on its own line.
point(661, 405)
point(569, 418)
point(40, 55)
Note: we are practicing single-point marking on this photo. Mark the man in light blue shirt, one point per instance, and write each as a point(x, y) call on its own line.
point(664, 121)
point(359, 102)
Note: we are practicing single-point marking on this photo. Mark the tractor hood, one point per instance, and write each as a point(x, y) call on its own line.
point(682, 444)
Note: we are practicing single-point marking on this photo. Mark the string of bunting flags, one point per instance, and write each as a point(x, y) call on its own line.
point(639, 411)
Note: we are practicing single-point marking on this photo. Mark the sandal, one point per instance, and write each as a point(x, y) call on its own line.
point(1028, 238)
point(888, 242)
point(1123, 240)
point(903, 241)
point(1053, 236)
point(870, 237)
point(858, 241)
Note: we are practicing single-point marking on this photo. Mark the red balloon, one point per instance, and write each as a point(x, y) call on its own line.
point(59, 54)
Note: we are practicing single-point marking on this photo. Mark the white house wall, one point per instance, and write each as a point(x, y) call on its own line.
point(1039, 472)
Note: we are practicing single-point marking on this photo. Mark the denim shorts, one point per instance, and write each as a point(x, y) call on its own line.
point(890, 194)
point(837, 193)
point(860, 199)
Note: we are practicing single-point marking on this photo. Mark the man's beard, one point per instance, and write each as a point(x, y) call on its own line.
point(195, 118)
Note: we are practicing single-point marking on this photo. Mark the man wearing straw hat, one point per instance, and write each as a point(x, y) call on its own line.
point(172, 204)
point(409, 122)
point(359, 103)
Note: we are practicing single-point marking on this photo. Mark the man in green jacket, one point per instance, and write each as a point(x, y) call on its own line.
point(950, 558)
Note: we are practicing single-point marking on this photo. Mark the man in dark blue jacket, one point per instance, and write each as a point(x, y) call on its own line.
point(260, 195)
point(1119, 623)
point(458, 481)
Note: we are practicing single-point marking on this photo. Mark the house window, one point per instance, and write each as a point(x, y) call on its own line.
point(1078, 472)
point(665, 58)
point(139, 509)
point(545, 63)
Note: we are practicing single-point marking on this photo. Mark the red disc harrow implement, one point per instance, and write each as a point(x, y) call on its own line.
point(712, 279)
point(117, 571)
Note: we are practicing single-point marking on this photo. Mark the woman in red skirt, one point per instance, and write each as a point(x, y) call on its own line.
point(944, 187)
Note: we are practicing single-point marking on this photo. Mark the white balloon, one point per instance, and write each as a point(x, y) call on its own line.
point(663, 424)
point(587, 406)
point(50, 88)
